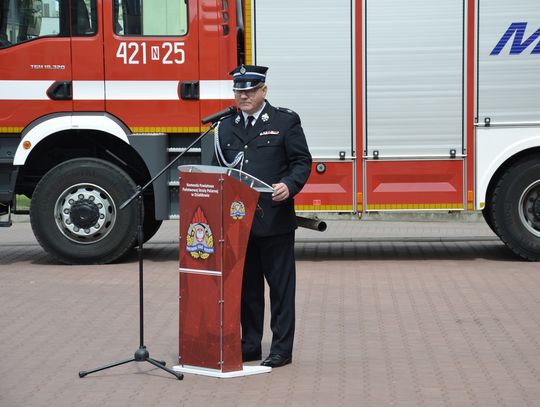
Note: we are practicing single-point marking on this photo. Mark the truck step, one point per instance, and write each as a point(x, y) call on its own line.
point(5, 213)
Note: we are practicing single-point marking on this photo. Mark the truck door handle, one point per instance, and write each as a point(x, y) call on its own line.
point(189, 90)
point(61, 90)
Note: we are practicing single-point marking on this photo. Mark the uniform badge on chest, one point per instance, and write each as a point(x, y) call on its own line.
point(269, 133)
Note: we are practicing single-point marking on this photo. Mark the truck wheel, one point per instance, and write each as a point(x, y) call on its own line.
point(486, 213)
point(75, 212)
point(515, 208)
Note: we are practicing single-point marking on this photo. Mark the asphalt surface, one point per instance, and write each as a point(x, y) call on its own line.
point(389, 313)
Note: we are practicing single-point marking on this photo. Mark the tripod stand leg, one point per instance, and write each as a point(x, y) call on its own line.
point(161, 362)
point(83, 373)
point(141, 355)
point(178, 375)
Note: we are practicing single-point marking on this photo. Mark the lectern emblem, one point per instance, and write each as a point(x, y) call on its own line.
point(238, 210)
point(200, 242)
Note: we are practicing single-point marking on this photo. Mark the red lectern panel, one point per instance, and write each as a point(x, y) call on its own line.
point(200, 320)
point(239, 208)
point(200, 221)
point(216, 212)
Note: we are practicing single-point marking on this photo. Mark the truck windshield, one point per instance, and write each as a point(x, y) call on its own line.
point(25, 20)
point(22, 20)
point(150, 17)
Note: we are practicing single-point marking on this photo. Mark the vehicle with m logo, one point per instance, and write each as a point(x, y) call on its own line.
point(409, 106)
point(520, 43)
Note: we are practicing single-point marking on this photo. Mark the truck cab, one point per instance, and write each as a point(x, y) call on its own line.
point(96, 97)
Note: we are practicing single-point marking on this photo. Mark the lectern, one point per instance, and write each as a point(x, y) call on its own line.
point(217, 206)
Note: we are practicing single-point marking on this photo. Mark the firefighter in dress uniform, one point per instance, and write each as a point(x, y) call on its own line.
point(269, 143)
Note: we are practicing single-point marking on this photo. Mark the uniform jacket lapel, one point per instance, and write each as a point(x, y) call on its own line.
point(264, 119)
point(238, 127)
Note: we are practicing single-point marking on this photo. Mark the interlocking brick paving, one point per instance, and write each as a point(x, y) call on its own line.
point(383, 322)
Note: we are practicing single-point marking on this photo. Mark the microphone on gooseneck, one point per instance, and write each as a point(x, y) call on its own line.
point(220, 115)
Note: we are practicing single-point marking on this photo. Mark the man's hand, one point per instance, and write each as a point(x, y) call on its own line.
point(281, 192)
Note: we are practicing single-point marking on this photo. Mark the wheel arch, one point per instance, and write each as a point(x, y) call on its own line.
point(61, 138)
point(44, 127)
point(497, 150)
point(522, 155)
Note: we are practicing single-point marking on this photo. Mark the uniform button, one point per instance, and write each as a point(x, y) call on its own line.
point(246, 161)
point(245, 147)
point(268, 142)
point(228, 144)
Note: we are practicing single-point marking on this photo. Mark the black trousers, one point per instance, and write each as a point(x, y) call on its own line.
point(270, 258)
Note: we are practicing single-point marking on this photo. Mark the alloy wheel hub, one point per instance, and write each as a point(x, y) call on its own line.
point(85, 213)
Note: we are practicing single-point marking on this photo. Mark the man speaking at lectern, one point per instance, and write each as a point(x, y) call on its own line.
point(268, 143)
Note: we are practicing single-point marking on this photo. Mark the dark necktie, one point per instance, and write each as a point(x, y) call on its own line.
point(249, 121)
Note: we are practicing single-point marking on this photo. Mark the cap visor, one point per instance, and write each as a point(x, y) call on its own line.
point(246, 85)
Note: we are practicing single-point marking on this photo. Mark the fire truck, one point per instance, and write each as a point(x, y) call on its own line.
point(407, 105)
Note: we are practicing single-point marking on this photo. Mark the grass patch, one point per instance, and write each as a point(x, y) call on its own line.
point(23, 202)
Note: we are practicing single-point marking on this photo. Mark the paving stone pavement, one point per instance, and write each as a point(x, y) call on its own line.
point(388, 314)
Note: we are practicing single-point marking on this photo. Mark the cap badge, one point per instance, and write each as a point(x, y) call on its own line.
point(265, 117)
point(243, 70)
point(237, 120)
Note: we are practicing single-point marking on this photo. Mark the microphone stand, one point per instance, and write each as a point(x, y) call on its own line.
point(142, 354)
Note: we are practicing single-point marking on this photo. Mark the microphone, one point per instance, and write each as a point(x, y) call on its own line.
point(220, 115)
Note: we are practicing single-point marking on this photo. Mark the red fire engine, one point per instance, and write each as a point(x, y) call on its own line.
point(408, 105)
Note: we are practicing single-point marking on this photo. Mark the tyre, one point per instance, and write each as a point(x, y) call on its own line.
point(486, 213)
point(75, 212)
point(515, 208)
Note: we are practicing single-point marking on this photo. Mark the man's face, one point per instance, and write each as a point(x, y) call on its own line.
point(249, 101)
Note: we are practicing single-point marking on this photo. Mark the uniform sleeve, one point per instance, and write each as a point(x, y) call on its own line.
point(298, 156)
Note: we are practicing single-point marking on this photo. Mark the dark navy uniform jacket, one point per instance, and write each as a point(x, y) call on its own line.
point(275, 150)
